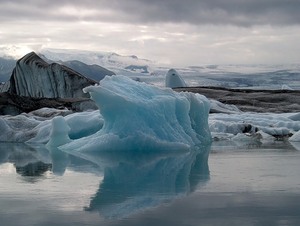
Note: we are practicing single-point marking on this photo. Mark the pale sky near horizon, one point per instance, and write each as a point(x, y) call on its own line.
point(186, 32)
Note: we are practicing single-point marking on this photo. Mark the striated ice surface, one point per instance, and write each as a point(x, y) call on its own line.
point(34, 77)
point(143, 117)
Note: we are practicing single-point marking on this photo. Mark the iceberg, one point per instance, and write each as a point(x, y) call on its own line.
point(59, 133)
point(33, 77)
point(142, 117)
point(174, 80)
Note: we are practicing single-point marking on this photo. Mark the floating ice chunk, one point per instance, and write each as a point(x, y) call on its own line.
point(247, 138)
point(295, 117)
point(231, 127)
point(295, 137)
point(59, 133)
point(81, 124)
point(276, 125)
point(18, 128)
point(266, 138)
point(142, 117)
point(218, 107)
point(42, 133)
point(173, 79)
point(36, 129)
point(286, 87)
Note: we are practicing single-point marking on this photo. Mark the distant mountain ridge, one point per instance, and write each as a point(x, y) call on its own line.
point(94, 72)
point(126, 65)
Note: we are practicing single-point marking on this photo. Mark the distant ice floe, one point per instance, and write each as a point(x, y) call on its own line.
point(257, 127)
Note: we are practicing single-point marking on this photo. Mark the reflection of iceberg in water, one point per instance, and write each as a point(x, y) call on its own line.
point(21, 154)
point(31, 162)
point(132, 182)
point(34, 160)
point(128, 188)
point(60, 160)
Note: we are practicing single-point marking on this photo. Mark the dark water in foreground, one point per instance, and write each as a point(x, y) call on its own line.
point(218, 185)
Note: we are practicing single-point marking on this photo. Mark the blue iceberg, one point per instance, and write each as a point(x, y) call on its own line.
point(142, 117)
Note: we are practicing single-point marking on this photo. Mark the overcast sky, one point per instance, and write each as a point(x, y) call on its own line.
point(179, 32)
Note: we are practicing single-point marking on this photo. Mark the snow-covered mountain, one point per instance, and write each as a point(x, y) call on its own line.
point(94, 72)
point(126, 65)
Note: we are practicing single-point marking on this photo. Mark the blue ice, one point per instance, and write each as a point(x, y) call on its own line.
point(142, 117)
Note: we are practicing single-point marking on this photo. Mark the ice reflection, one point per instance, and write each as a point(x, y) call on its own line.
point(131, 182)
point(59, 159)
point(30, 162)
point(129, 187)
point(34, 160)
point(21, 154)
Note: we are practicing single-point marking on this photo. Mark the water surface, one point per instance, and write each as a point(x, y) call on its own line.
point(217, 185)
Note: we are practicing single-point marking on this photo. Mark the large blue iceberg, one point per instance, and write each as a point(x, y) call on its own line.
point(144, 118)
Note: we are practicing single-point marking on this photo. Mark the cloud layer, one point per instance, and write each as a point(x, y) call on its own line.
point(217, 12)
point(176, 31)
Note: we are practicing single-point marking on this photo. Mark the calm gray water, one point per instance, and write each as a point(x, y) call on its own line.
point(217, 185)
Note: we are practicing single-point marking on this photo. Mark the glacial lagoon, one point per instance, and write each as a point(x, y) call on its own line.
point(220, 184)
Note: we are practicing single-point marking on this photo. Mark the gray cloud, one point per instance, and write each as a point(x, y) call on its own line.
point(196, 12)
point(187, 32)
